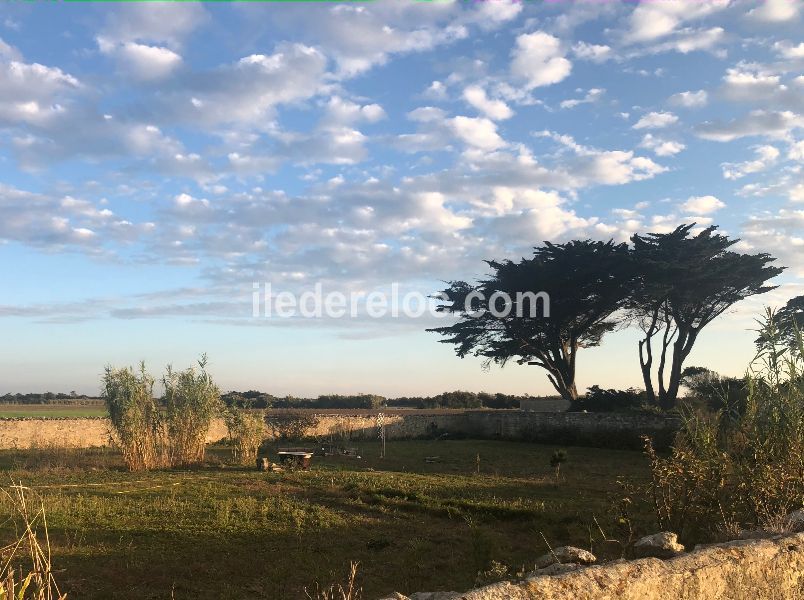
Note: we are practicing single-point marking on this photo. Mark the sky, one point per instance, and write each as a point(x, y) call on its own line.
point(157, 160)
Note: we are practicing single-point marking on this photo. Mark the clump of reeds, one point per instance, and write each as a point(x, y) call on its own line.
point(135, 417)
point(171, 432)
point(191, 402)
point(246, 433)
point(26, 572)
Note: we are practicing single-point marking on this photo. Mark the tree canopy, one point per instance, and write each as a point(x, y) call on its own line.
point(683, 283)
point(580, 285)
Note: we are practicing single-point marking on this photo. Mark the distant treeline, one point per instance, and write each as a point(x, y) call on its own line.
point(457, 399)
point(49, 398)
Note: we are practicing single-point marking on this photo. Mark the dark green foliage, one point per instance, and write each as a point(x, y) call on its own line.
point(685, 282)
point(456, 399)
point(716, 392)
point(789, 321)
point(598, 399)
point(586, 283)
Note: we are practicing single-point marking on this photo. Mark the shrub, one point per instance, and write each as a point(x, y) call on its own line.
point(291, 426)
point(191, 401)
point(246, 433)
point(745, 469)
point(135, 417)
point(598, 399)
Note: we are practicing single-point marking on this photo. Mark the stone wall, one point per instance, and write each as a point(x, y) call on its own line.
point(589, 429)
point(770, 569)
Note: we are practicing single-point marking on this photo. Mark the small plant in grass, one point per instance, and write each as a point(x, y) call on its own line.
point(556, 460)
point(246, 433)
point(338, 591)
point(26, 572)
point(135, 417)
point(191, 401)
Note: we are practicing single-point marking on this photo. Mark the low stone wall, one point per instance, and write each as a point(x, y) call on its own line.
point(612, 430)
point(771, 569)
point(584, 429)
point(70, 433)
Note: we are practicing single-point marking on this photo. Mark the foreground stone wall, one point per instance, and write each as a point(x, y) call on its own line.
point(771, 569)
point(588, 429)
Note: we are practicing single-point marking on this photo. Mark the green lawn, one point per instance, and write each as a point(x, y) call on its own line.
point(227, 532)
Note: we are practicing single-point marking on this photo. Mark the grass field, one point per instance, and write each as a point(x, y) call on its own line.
point(227, 532)
point(32, 411)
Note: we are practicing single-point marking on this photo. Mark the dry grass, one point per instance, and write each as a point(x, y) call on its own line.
point(26, 572)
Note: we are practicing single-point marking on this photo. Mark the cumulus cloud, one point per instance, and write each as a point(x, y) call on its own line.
point(479, 133)
point(689, 99)
point(141, 61)
point(766, 156)
point(496, 110)
point(702, 205)
point(656, 120)
point(773, 124)
point(655, 20)
point(538, 60)
point(661, 147)
point(775, 11)
point(596, 53)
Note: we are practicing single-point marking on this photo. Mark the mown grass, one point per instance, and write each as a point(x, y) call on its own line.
point(227, 532)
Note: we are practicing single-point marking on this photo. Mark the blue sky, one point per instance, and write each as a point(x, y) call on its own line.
point(157, 159)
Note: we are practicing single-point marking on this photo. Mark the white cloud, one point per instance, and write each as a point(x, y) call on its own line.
point(656, 120)
point(592, 96)
point(661, 147)
point(776, 11)
point(689, 99)
point(788, 51)
point(596, 53)
point(539, 60)
point(702, 205)
point(479, 133)
point(345, 112)
point(140, 61)
point(772, 124)
point(655, 20)
point(796, 151)
point(766, 156)
point(496, 110)
point(159, 23)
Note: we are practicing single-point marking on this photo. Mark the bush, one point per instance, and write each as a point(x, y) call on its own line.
point(598, 399)
point(246, 433)
point(729, 471)
point(291, 426)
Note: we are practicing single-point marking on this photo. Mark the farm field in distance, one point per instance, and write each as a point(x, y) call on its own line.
point(222, 531)
point(66, 410)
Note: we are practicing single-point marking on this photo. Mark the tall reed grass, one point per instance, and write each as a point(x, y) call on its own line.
point(166, 433)
point(26, 572)
point(246, 433)
point(191, 400)
point(135, 417)
point(746, 470)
